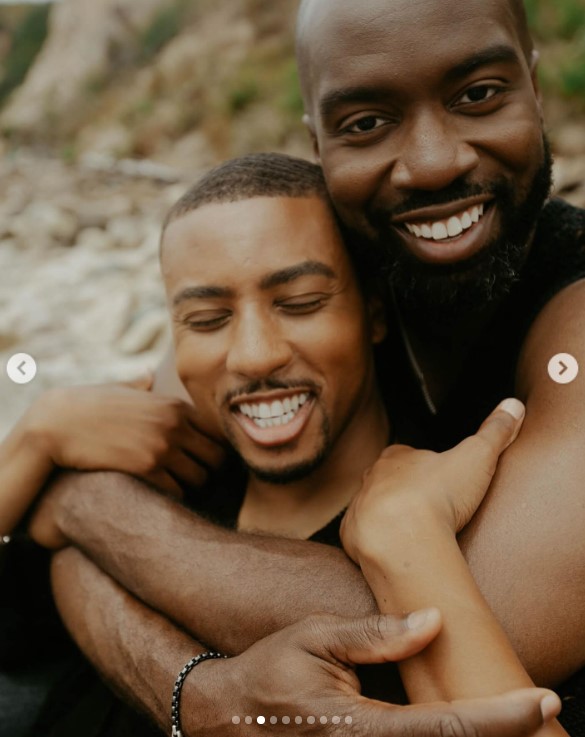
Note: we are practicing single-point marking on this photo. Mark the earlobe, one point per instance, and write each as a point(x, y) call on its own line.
point(308, 123)
point(534, 61)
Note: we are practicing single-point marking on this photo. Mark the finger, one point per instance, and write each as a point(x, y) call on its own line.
point(376, 639)
point(501, 428)
point(516, 714)
point(496, 433)
point(187, 470)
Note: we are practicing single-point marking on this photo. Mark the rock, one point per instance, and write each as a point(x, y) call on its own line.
point(86, 38)
point(95, 239)
point(42, 224)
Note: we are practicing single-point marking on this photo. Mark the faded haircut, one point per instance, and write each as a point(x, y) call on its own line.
point(255, 175)
point(272, 175)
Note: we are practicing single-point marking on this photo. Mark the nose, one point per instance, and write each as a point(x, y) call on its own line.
point(432, 153)
point(258, 347)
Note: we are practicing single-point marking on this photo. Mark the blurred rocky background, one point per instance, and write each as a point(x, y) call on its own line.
point(109, 109)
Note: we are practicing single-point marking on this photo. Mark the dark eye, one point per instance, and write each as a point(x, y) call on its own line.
point(366, 124)
point(480, 93)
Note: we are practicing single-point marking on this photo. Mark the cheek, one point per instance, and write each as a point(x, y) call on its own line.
point(353, 177)
point(198, 369)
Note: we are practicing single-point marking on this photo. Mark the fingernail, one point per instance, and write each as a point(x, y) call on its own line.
point(513, 407)
point(550, 707)
point(417, 620)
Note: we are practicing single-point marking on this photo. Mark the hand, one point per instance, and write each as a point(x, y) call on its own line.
point(306, 670)
point(447, 486)
point(126, 428)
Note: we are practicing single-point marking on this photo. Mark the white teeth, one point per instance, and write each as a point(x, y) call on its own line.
point(264, 411)
point(276, 409)
point(277, 413)
point(454, 227)
point(440, 231)
point(450, 228)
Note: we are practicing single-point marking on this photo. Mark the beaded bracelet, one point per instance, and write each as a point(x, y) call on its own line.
point(176, 702)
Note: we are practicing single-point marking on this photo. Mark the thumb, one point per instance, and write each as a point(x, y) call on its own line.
point(496, 433)
point(502, 426)
point(514, 714)
point(375, 639)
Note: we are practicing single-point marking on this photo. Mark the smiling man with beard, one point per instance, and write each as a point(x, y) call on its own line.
point(426, 119)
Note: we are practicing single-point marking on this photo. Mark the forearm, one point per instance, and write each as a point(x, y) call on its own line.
point(422, 567)
point(24, 469)
point(202, 576)
point(135, 649)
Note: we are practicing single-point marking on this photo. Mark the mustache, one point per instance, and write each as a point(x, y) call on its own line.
point(459, 190)
point(269, 384)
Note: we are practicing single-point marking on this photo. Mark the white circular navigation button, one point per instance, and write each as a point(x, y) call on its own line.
point(21, 368)
point(563, 368)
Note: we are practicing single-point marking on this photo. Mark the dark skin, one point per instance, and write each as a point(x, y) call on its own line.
point(543, 472)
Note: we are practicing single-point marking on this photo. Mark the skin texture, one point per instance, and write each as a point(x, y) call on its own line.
point(536, 497)
point(306, 660)
point(253, 323)
point(401, 529)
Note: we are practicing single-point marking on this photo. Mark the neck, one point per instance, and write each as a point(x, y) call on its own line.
point(303, 507)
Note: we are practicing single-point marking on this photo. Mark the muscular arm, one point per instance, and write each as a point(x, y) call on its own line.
point(230, 589)
point(525, 546)
point(303, 669)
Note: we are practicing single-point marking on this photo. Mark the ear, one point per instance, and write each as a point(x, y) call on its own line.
point(377, 318)
point(310, 126)
point(534, 61)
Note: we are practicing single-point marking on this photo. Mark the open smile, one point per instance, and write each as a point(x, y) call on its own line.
point(449, 233)
point(274, 420)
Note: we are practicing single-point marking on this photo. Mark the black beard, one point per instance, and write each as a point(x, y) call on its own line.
point(442, 293)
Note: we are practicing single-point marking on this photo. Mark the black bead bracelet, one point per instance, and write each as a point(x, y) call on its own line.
point(176, 702)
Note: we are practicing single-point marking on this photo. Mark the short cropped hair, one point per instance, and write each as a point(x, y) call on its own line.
point(255, 175)
point(275, 175)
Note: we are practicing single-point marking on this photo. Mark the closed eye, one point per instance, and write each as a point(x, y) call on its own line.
point(304, 305)
point(206, 321)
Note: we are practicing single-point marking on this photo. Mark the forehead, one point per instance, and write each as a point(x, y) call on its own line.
point(245, 240)
point(406, 39)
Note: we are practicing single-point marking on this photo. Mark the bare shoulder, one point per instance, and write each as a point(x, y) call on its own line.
point(526, 545)
point(559, 328)
point(166, 380)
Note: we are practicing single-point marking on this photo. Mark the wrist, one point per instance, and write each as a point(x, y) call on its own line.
point(406, 531)
point(39, 426)
point(206, 699)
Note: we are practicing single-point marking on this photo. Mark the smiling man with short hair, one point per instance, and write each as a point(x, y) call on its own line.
point(426, 119)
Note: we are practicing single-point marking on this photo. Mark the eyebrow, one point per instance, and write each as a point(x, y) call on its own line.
point(362, 93)
point(306, 268)
point(284, 276)
point(492, 55)
point(207, 292)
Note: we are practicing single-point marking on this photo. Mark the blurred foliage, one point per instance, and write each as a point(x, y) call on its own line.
point(559, 27)
point(28, 36)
